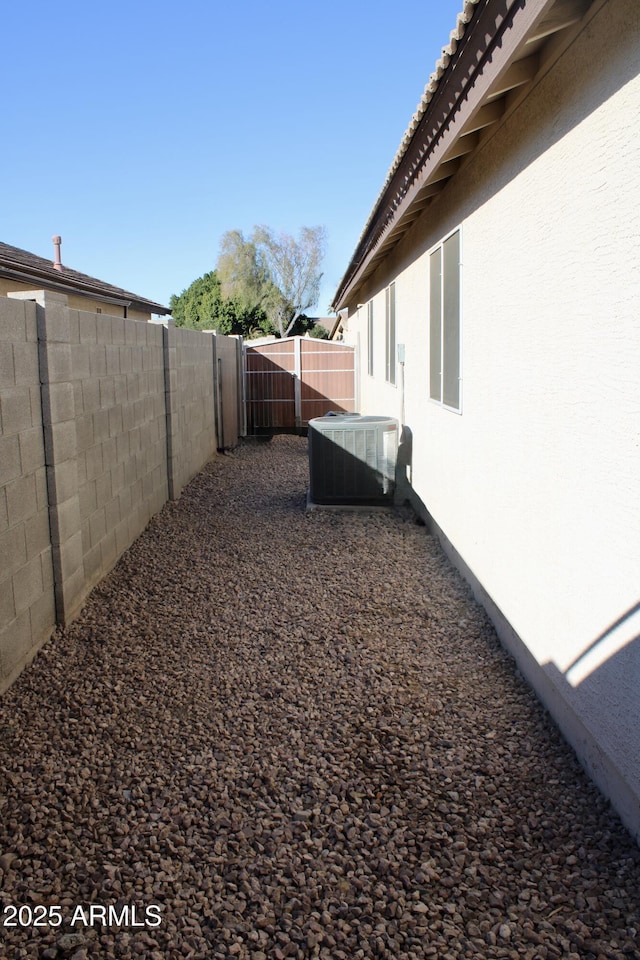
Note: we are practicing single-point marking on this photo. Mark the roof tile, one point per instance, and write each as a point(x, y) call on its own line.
point(20, 264)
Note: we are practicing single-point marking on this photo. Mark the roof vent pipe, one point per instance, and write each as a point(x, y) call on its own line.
point(57, 263)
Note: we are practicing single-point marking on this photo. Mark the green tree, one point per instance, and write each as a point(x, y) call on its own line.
point(197, 306)
point(202, 306)
point(243, 276)
point(276, 273)
point(261, 285)
point(319, 332)
point(294, 269)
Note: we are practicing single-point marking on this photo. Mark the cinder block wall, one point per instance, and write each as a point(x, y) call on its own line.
point(117, 371)
point(191, 414)
point(228, 373)
point(102, 419)
point(27, 612)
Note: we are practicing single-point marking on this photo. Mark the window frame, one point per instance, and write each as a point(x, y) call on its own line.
point(438, 299)
point(370, 340)
point(391, 337)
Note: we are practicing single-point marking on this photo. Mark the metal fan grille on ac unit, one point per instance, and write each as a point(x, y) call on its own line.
point(352, 459)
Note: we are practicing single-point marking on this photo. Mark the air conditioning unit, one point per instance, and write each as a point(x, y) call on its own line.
point(352, 459)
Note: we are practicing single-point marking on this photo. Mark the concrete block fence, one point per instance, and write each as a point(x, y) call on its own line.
point(102, 419)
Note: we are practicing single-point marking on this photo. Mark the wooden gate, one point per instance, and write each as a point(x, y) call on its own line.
point(290, 381)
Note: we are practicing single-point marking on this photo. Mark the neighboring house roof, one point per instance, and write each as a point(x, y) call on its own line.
point(498, 50)
point(25, 267)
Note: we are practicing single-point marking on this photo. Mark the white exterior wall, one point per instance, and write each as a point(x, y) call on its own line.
point(537, 483)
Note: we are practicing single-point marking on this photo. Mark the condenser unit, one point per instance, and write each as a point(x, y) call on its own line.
point(352, 459)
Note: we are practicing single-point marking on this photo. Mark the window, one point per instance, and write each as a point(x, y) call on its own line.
point(444, 322)
point(390, 333)
point(370, 338)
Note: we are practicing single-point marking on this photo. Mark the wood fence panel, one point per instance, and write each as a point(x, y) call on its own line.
point(290, 381)
point(327, 378)
point(270, 386)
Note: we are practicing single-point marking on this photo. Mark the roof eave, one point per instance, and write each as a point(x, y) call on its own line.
point(498, 52)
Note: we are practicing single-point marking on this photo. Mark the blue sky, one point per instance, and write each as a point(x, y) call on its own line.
point(142, 131)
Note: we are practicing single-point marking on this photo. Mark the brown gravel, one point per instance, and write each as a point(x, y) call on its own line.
point(297, 735)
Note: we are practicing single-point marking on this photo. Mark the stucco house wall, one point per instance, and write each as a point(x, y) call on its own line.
point(77, 302)
point(534, 485)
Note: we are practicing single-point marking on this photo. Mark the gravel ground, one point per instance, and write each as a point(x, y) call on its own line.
point(272, 734)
